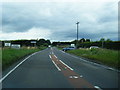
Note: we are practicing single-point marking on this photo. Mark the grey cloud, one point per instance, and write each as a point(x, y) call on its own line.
point(108, 17)
point(71, 35)
point(60, 18)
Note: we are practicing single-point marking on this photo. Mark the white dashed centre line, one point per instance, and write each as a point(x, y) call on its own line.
point(55, 64)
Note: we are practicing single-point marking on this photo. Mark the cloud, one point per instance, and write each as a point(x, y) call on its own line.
point(58, 19)
point(33, 32)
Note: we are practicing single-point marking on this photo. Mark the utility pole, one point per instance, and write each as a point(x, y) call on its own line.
point(77, 35)
point(102, 40)
point(102, 43)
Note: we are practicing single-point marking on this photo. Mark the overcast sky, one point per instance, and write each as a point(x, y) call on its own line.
point(57, 20)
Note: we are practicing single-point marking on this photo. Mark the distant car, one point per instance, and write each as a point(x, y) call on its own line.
point(49, 46)
point(68, 48)
point(93, 47)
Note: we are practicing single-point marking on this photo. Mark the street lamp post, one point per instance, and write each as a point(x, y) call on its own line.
point(77, 35)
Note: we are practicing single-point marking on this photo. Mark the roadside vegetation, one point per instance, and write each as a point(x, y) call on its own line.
point(62, 46)
point(10, 55)
point(104, 56)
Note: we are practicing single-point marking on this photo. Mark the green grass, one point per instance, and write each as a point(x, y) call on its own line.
point(9, 56)
point(105, 56)
point(60, 47)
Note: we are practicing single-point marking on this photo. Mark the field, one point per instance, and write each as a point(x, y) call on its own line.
point(104, 56)
point(9, 56)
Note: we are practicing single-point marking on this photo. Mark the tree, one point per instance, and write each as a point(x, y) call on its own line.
point(82, 40)
point(102, 39)
point(74, 42)
point(48, 42)
point(108, 40)
point(41, 42)
point(54, 43)
point(45, 44)
point(87, 40)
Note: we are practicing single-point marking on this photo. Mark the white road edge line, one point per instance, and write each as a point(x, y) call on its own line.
point(66, 65)
point(55, 64)
point(16, 67)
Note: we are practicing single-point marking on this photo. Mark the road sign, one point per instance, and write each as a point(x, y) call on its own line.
point(33, 41)
point(7, 44)
point(16, 46)
point(72, 45)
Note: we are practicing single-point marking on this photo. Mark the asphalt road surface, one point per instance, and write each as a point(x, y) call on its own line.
point(52, 68)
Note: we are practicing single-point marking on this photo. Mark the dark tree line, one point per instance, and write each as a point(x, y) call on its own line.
point(72, 42)
point(86, 43)
point(28, 42)
point(82, 43)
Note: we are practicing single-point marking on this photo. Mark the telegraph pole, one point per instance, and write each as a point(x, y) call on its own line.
point(77, 35)
point(102, 43)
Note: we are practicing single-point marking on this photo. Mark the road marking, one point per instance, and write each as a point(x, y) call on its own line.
point(52, 52)
point(62, 51)
point(70, 77)
point(50, 56)
point(55, 56)
point(16, 67)
point(66, 65)
point(56, 66)
point(81, 75)
point(54, 63)
point(73, 78)
point(97, 87)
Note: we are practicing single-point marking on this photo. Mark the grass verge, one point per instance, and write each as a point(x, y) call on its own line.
point(10, 56)
point(105, 56)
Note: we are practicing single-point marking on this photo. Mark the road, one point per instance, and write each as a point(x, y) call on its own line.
point(52, 68)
